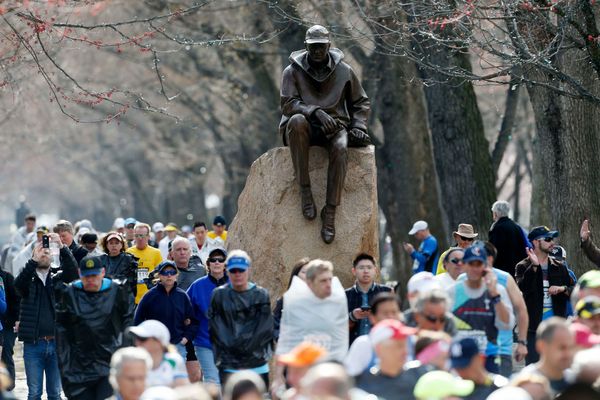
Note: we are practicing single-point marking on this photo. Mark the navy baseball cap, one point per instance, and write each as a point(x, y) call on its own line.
point(541, 232)
point(219, 220)
point(559, 253)
point(90, 266)
point(462, 352)
point(476, 252)
point(166, 264)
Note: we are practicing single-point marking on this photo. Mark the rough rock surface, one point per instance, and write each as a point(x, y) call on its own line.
point(269, 224)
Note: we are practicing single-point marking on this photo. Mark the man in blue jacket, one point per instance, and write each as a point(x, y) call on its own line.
point(426, 257)
point(200, 293)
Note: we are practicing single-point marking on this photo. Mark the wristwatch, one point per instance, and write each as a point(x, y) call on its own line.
point(523, 342)
point(495, 300)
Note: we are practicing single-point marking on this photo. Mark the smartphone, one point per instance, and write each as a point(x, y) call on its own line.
point(46, 242)
point(365, 308)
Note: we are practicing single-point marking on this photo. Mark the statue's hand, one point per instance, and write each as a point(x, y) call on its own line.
point(329, 124)
point(359, 138)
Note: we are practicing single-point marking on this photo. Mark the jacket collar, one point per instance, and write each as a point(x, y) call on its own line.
point(218, 282)
point(358, 290)
point(300, 58)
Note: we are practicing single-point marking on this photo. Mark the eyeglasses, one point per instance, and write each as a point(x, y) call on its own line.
point(433, 319)
point(169, 272)
point(456, 260)
point(548, 239)
point(236, 271)
point(216, 260)
point(466, 239)
point(140, 235)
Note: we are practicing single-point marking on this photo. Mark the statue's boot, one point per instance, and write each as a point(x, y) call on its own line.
point(309, 210)
point(328, 220)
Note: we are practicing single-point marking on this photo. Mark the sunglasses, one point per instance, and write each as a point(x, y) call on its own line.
point(236, 271)
point(466, 239)
point(169, 272)
point(456, 260)
point(433, 319)
point(548, 239)
point(216, 260)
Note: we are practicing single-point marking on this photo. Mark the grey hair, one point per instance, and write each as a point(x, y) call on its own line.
point(180, 239)
point(334, 375)
point(434, 296)
point(501, 208)
point(124, 355)
point(547, 328)
point(586, 362)
point(317, 267)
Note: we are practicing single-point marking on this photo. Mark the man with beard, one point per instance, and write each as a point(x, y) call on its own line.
point(545, 283)
point(35, 284)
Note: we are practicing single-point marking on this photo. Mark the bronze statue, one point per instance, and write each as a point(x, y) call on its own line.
point(323, 104)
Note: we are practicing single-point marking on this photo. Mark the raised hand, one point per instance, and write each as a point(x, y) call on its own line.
point(584, 233)
point(532, 257)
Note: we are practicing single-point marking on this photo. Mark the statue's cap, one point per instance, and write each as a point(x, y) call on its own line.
point(317, 34)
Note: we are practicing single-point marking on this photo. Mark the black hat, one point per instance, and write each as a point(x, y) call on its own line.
point(218, 250)
point(219, 220)
point(541, 232)
point(89, 237)
point(90, 266)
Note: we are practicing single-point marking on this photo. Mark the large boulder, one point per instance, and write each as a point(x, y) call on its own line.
point(269, 224)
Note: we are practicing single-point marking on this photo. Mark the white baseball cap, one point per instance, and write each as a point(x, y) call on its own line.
point(423, 282)
point(158, 227)
point(119, 223)
point(152, 328)
point(418, 226)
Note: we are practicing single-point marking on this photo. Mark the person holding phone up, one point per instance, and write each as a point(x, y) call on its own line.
point(364, 269)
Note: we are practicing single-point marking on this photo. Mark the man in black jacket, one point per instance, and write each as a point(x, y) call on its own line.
point(508, 238)
point(91, 315)
point(545, 283)
point(240, 322)
point(360, 295)
point(35, 284)
point(9, 319)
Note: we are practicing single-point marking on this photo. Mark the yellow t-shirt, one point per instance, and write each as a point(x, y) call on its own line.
point(149, 258)
point(213, 236)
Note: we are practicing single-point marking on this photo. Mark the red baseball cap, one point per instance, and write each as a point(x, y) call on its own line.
point(390, 329)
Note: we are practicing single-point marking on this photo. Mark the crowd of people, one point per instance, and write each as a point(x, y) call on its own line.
point(159, 312)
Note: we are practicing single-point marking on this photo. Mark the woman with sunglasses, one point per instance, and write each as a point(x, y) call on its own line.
point(170, 305)
point(453, 265)
point(200, 293)
point(464, 236)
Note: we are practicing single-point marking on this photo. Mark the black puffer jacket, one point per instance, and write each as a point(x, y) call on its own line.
point(31, 288)
point(123, 268)
point(241, 327)
point(89, 329)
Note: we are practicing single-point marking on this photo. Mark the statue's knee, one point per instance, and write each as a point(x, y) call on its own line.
point(298, 122)
point(340, 143)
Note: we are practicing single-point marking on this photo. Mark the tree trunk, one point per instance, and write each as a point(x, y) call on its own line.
point(407, 181)
point(461, 151)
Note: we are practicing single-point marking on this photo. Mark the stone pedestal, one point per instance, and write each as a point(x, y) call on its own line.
point(269, 224)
